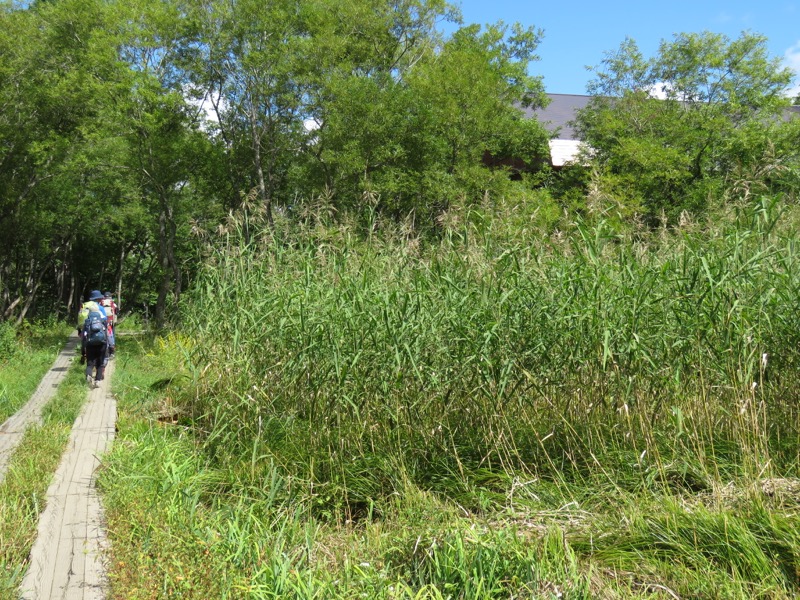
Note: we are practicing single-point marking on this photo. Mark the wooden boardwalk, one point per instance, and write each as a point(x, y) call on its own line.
point(13, 429)
point(66, 561)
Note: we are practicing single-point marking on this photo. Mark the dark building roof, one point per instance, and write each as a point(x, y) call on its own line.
point(557, 114)
point(792, 112)
point(563, 107)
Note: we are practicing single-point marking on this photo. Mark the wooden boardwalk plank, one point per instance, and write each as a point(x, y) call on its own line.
point(66, 561)
point(13, 429)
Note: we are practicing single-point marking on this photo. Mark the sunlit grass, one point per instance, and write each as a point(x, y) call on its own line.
point(31, 468)
point(33, 351)
point(363, 367)
point(482, 418)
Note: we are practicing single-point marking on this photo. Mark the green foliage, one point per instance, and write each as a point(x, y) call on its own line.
point(8, 341)
point(744, 552)
point(29, 352)
point(146, 122)
point(671, 132)
point(22, 496)
point(499, 564)
point(473, 352)
point(417, 140)
point(62, 74)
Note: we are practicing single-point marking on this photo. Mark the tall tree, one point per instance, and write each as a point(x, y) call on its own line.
point(165, 142)
point(665, 130)
point(116, 164)
point(249, 67)
point(58, 69)
point(415, 134)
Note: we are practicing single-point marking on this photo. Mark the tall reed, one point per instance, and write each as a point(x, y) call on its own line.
point(363, 366)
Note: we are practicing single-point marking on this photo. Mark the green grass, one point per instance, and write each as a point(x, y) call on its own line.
point(751, 551)
point(183, 528)
point(156, 475)
point(485, 417)
point(22, 492)
point(130, 324)
point(361, 367)
point(29, 353)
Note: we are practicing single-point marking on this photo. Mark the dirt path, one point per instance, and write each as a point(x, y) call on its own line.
point(12, 431)
point(66, 559)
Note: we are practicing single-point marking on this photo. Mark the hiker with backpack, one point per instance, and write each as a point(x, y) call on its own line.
point(110, 308)
point(94, 339)
point(86, 307)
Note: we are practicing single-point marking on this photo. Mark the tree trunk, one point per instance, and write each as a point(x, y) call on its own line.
point(177, 275)
point(118, 279)
point(34, 283)
point(234, 200)
point(163, 289)
point(167, 232)
point(71, 299)
point(11, 307)
point(136, 272)
point(262, 188)
point(60, 285)
point(61, 281)
point(5, 294)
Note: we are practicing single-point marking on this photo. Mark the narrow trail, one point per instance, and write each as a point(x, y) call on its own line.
point(66, 561)
point(13, 429)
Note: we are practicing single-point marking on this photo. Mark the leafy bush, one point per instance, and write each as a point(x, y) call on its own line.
point(8, 341)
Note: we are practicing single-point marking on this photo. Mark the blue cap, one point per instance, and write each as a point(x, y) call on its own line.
point(96, 295)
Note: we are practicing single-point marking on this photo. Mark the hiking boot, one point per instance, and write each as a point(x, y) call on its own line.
point(90, 381)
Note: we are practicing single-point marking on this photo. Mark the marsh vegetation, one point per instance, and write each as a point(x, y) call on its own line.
point(489, 415)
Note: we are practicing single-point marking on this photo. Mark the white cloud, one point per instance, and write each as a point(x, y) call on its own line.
point(204, 104)
point(659, 90)
point(791, 59)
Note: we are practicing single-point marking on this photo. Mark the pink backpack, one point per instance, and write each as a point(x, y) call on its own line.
point(108, 304)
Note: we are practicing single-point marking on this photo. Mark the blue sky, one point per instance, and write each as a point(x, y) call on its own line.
point(577, 33)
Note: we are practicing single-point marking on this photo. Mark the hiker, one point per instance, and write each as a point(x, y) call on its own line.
point(94, 340)
point(111, 314)
point(86, 307)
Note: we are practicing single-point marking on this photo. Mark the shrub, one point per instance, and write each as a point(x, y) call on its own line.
point(8, 341)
